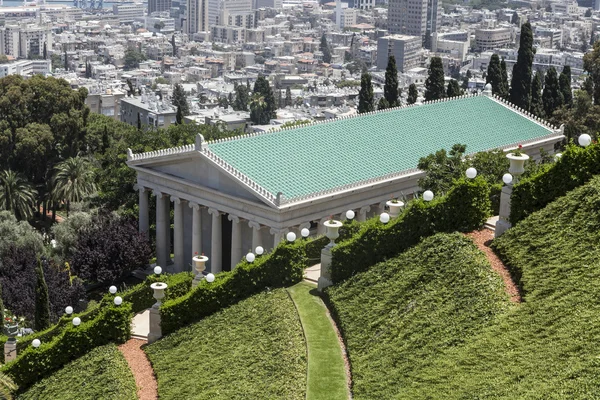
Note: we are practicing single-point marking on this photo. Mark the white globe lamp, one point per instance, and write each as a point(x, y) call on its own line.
point(250, 257)
point(259, 250)
point(350, 214)
point(585, 140)
point(428, 195)
point(291, 236)
point(507, 179)
point(112, 289)
point(384, 218)
point(118, 301)
point(210, 278)
point(36, 343)
point(305, 232)
point(76, 321)
point(471, 173)
point(69, 310)
point(157, 270)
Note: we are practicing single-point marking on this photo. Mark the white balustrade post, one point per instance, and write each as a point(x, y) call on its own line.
point(216, 242)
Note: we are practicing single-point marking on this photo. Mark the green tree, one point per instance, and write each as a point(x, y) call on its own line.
point(324, 48)
point(45, 52)
point(435, 87)
point(133, 58)
point(453, 88)
point(173, 45)
point(390, 89)
point(179, 99)
point(7, 386)
point(42, 302)
point(588, 13)
point(494, 75)
point(288, 97)
point(34, 151)
point(383, 104)
point(537, 105)
point(504, 87)
point(588, 86)
point(66, 62)
point(564, 81)
point(240, 103)
point(591, 63)
point(515, 19)
point(264, 102)
point(179, 116)
point(74, 180)
point(413, 94)
point(1, 304)
point(366, 100)
point(551, 96)
point(520, 90)
point(16, 194)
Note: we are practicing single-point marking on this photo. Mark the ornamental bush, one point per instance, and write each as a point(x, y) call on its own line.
point(576, 167)
point(464, 208)
point(283, 267)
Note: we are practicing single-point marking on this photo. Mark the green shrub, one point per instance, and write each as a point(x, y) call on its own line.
point(112, 324)
point(576, 166)
point(103, 373)
point(464, 208)
point(283, 267)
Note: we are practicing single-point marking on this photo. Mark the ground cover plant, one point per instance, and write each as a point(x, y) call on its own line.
point(402, 314)
point(254, 349)
point(103, 373)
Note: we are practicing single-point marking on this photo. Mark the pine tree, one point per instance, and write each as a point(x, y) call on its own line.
point(564, 81)
point(288, 97)
point(537, 106)
point(435, 87)
point(453, 88)
point(179, 116)
point(324, 48)
point(45, 52)
point(505, 87)
point(520, 90)
point(552, 97)
point(42, 303)
point(413, 94)
point(262, 87)
point(390, 89)
point(365, 96)
point(240, 103)
point(173, 45)
point(494, 74)
point(139, 122)
point(179, 99)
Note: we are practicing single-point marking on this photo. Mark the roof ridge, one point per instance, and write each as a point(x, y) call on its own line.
point(525, 113)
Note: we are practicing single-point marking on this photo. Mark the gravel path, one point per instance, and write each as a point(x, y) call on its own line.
point(147, 388)
point(482, 240)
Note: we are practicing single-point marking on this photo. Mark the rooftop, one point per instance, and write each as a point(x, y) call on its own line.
point(323, 156)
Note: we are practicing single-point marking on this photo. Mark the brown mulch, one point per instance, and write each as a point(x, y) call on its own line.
point(482, 240)
point(147, 388)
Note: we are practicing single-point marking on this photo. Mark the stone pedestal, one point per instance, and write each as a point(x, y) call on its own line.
point(503, 224)
point(155, 332)
point(10, 350)
point(325, 278)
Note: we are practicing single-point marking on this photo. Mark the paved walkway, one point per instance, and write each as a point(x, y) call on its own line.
point(147, 388)
point(140, 325)
point(328, 375)
point(312, 273)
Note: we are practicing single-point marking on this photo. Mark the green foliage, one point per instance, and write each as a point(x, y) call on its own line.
point(179, 100)
point(536, 106)
point(520, 90)
point(576, 167)
point(103, 373)
point(413, 94)
point(383, 104)
point(17, 195)
point(112, 324)
point(404, 313)
point(464, 208)
point(19, 234)
point(494, 75)
point(366, 101)
point(591, 63)
point(283, 267)
point(133, 58)
point(42, 304)
point(325, 49)
point(391, 93)
point(241, 98)
point(73, 180)
point(262, 104)
point(552, 95)
point(434, 84)
point(454, 89)
point(253, 349)
point(565, 85)
point(504, 88)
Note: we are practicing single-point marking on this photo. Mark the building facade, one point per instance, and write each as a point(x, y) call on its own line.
point(197, 16)
point(491, 39)
point(406, 49)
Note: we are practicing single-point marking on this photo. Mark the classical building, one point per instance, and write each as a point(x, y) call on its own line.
point(235, 194)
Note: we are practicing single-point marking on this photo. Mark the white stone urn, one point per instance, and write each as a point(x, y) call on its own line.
point(395, 207)
point(159, 292)
point(517, 165)
point(200, 262)
point(333, 228)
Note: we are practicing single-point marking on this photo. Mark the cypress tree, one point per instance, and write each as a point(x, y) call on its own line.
point(173, 45)
point(42, 303)
point(180, 99)
point(413, 94)
point(588, 86)
point(324, 47)
point(365, 96)
point(262, 87)
point(240, 103)
point(494, 74)
point(552, 97)
point(45, 52)
point(505, 87)
point(280, 103)
point(453, 88)
point(66, 62)
point(230, 98)
point(383, 104)
point(520, 90)
point(537, 106)
point(139, 122)
point(564, 80)
point(179, 116)
point(514, 19)
point(1, 305)
point(435, 87)
point(390, 89)
point(288, 97)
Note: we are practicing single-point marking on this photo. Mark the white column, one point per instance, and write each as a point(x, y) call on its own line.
point(236, 240)
point(278, 235)
point(256, 239)
point(216, 261)
point(196, 229)
point(362, 214)
point(144, 224)
point(162, 229)
point(180, 258)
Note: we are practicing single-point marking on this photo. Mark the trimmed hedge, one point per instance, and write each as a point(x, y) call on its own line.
point(283, 267)
point(576, 167)
point(112, 324)
point(464, 208)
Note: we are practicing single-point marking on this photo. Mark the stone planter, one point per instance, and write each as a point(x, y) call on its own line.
point(517, 165)
point(200, 262)
point(395, 208)
point(333, 228)
point(159, 291)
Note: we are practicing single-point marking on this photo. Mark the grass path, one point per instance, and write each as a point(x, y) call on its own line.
point(326, 378)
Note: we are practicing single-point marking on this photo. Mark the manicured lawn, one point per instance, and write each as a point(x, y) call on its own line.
point(101, 374)
point(326, 368)
point(252, 350)
point(402, 314)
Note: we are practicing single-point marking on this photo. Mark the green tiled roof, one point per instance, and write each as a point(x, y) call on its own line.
point(314, 158)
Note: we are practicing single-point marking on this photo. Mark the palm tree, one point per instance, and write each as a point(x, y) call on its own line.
point(16, 194)
point(73, 180)
point(7, 387)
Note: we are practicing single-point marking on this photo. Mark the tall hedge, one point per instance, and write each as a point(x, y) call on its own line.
point(576, 166)
point(464, 208)
point(284, 267)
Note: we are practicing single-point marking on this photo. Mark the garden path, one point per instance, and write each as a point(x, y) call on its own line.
point(482, 240)
point(328, 375)
point(145, 380)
